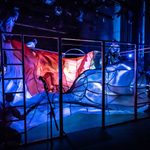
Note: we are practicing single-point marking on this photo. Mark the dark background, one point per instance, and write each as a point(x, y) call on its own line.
point(96, 22)
point(121, 20)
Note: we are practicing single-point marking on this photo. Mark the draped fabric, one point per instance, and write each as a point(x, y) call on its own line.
point(82, 84)
point(45, 64)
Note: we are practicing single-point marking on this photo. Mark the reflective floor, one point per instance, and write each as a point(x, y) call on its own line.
point(134, 135)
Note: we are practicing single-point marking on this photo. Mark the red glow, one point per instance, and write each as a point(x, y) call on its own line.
point(45, 64)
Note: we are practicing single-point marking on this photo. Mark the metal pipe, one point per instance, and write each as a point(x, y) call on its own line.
point(40, 36)
point(103, 84)
point(135, 81)
point(97, 46)
point(60, 86)
point(138, 50)
point(96, 41)
point(24, 95)
point(80, 40)
point(39, 28)
point(3, 88)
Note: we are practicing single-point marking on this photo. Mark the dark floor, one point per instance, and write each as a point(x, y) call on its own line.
point(134, 135)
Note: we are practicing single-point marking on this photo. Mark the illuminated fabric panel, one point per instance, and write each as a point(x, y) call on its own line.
point(45, 64)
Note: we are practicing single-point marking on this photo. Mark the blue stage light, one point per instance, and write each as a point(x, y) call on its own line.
point(49, 2)
point(130, 55)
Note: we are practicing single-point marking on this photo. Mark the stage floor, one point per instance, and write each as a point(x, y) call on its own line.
point(80, 121)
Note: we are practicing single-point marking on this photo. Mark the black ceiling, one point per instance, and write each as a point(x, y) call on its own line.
point(52, 12)
point(68, 7)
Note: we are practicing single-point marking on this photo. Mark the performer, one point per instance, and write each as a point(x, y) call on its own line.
point(15, 71)
point(113, 54)
point(97, 60)
point(8, 23)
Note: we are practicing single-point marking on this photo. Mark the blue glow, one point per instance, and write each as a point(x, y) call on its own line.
point(49, 2)
point(130, 55)
point(58, 10)
point(80, 17)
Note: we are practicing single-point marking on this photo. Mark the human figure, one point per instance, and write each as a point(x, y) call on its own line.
point(113, 54)
point(97, 59)
point(11, 71)
point(8, 23)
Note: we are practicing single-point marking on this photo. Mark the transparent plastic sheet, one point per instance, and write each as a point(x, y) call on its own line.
point(119, 82)
point(143, 94)
point(81, 85)
point(36, 105)
point(82, 102)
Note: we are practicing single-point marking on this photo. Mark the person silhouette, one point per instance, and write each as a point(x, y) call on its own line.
point(113, 54)
point(8, 23)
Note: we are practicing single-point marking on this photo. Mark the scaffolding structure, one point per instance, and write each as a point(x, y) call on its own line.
point(61, 42)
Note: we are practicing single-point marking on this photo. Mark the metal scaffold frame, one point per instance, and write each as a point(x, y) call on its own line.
point(60, 41)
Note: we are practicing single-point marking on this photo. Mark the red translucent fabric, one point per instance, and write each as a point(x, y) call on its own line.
point(45, 64)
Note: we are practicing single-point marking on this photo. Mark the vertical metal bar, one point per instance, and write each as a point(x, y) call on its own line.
point(24, 96)
point(135, 81)
point(60, 86)
point(3, 87)
point(103, 84)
